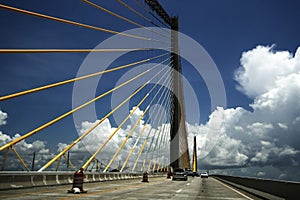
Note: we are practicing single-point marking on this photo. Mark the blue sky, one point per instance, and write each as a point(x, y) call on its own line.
point(226, 29)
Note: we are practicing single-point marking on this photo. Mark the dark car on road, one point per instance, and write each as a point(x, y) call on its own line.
point(189, 172)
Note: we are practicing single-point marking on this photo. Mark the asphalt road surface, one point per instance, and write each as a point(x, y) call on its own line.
point(157, 188)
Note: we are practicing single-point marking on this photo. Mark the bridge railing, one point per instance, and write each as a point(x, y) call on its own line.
point(15, 180)
point(269, 189)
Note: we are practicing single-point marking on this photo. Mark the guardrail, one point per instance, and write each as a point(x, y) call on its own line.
point(266, 188)
point(13, 180)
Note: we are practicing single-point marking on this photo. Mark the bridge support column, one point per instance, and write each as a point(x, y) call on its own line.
point(195, 155)
point(179, 153)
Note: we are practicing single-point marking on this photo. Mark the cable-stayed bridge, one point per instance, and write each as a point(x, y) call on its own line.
point(139, 69)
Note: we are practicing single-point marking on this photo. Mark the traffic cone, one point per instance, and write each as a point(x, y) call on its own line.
point(78, 182)
point(169, 174)
point(145, 177)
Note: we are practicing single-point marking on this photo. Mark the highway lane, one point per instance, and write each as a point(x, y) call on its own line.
point(157, 188)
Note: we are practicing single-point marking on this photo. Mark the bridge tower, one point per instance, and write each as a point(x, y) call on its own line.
point(194, 165)
point(179, 152)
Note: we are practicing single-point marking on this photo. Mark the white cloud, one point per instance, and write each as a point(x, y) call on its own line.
point(4, 139)
point(227, 152)
point(216, 148)
point(259, 129)
point(288, 151)
point(3, 117)
point(261, 67)
point(103, 131)
point(283, 126)
point(282, 176)
point(261, 173)
point(26, 151)
point(269, 149)
point(268, 135)
point(81, 152)
point(36, 146)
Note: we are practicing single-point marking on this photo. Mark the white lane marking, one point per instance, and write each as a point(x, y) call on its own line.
point(188, 184)
point(235, 190)
point(178, 191)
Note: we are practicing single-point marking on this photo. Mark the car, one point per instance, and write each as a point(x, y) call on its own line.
point(179, 174)
point(189, 172)
point(204, 175)
point(196, 174)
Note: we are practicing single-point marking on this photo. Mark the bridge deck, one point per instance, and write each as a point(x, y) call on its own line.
point(157, 188)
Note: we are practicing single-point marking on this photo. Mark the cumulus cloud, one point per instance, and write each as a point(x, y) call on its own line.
point(3, 117)
point(261, 174)
point(269, 150)
point(114, 137)
point(261, 68)
point(26, 151)
point(24, 148)
point(268, 135)
point(228, 152)
point(104, 133)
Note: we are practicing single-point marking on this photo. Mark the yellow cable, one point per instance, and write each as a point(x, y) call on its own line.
point(71, 22)
point(145, 140)
point(144, 162)
point(76, 79)
point(121, 17)
point(149, 165)
point(135, 125)
point(149, 12)
point(20, 158)
point(140, 152)
point(69, 161)
point(70, 50)
point(4, 159)
point(112, 13)
point(144, 127)
point(70, 112)
point(110, 137)
point(116, 130)
point(126, 139)
point(148, 150)
point(90, 130)
point(133, 10)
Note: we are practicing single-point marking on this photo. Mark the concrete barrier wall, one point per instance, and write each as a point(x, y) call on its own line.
point(12, 180)
point(283, 189)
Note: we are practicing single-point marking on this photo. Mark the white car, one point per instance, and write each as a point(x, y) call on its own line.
point(204, 175)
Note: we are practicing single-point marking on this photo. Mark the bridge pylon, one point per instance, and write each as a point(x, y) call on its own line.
point(194, 165)
point(179, 152)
